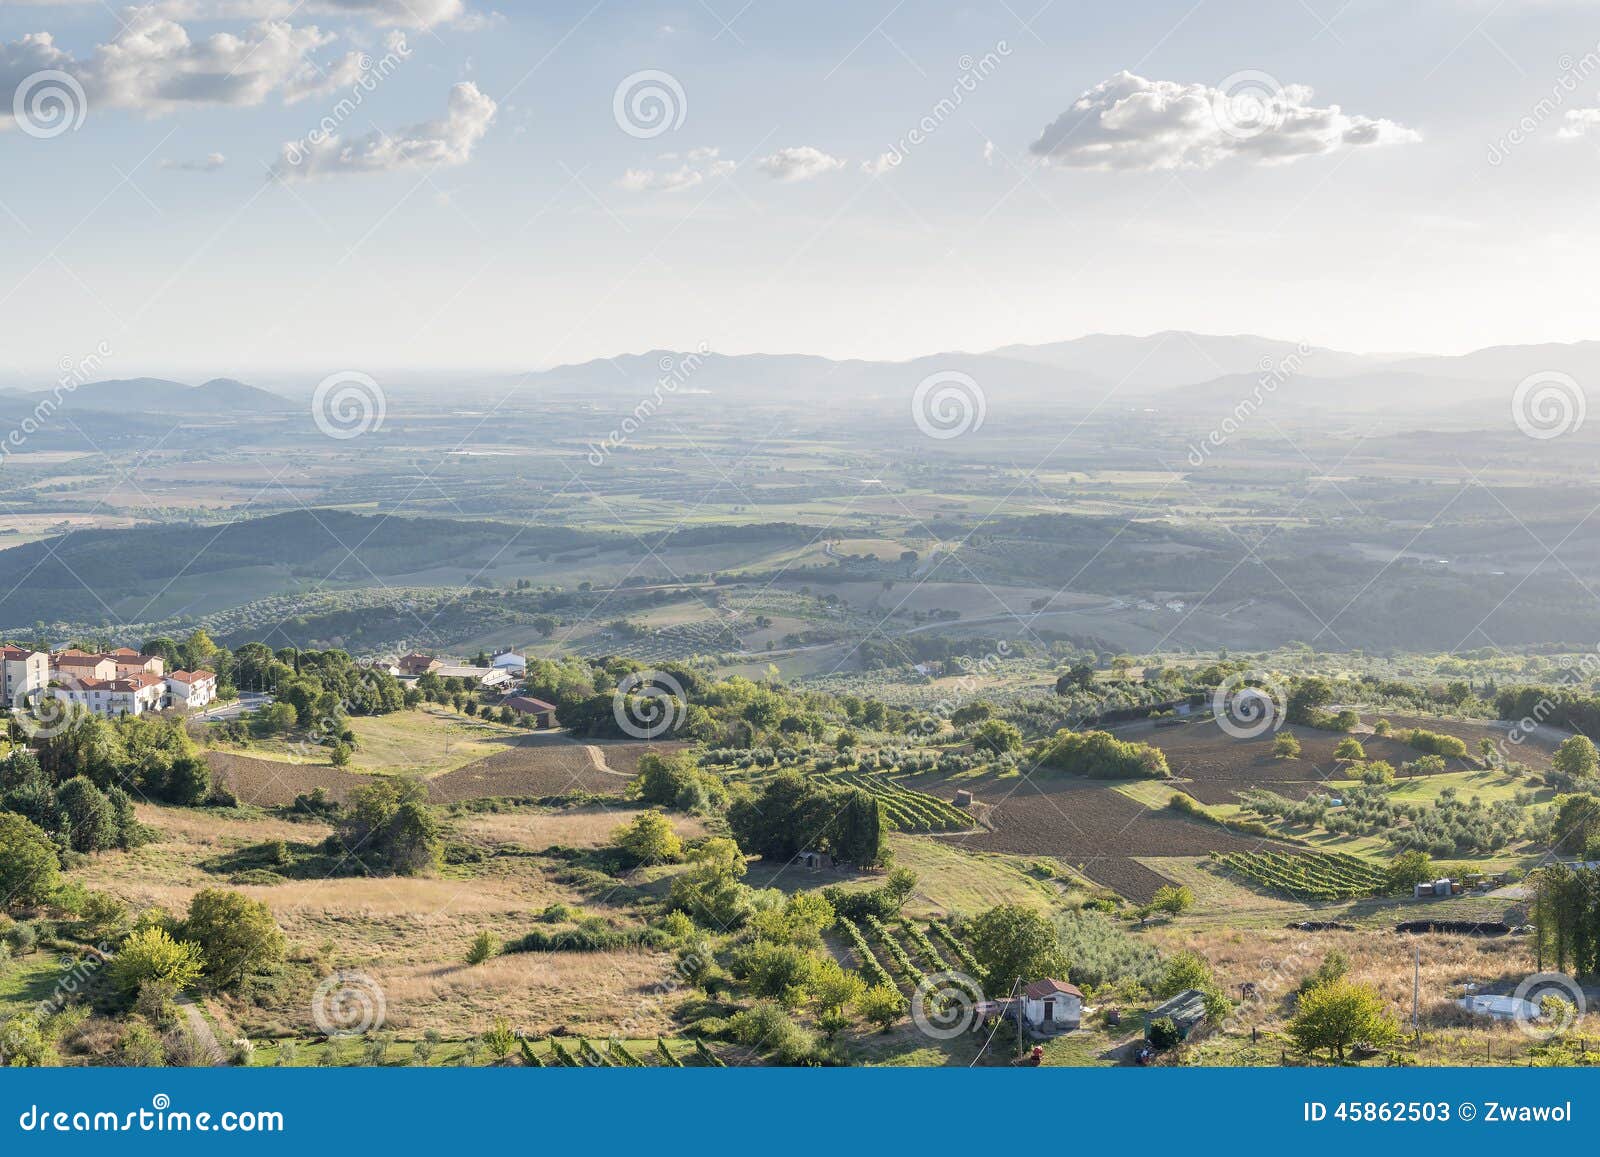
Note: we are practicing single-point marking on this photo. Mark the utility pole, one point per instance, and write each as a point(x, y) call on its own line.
point(1416, 989)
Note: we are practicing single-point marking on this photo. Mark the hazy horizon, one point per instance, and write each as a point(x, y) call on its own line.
point(255, 186)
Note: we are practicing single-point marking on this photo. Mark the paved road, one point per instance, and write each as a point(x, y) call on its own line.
point(247, 701)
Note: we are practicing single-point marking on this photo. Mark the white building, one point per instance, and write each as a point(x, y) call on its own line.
point(1052, 1004)
point(22, 672)
point(510, 661)
point(191, 689)
point(482, 676)
point(114, 697)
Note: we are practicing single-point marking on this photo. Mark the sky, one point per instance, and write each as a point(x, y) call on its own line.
point(230, 187)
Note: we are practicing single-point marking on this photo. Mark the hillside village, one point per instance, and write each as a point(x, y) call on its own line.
point(110, 684)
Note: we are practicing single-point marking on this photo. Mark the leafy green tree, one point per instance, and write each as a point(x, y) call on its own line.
point(1409, 869)
point(1173, 899)
point(388, 827)
point(971, 713)
point(997, 736)
point(1286, 746)
point(1349, 748)
point(834, 987)
point(1332, 1018)
point(29, 868)
point(1577, 822)
point(1576, 758)
point(237, 934)
point(91, 823)
point(1079, 678)
point(1011, 944)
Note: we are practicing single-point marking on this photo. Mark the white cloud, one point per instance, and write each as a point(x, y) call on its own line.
point(153, 66)
point(384, 13)
point(1128, 122)
point(449, 141)
point(881, 164)
point(802, 163)
point(210, 163)
point(1580, 122)
point(692, 169)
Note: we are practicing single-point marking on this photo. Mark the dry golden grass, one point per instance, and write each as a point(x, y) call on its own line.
point(1276, 959)
point(580, 828)
point(587, 991)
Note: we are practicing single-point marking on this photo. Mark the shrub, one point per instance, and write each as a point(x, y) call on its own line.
point(1349, 748)
point(1163, 1034)
point(139, 1047)
point(1100, 755)
point(152, 955)
point(1433, 743)
point(881, 1005)
point(484, 945)
point(500, 1039)
point(649, 839)
point(1286, 746)
point(769, 1027)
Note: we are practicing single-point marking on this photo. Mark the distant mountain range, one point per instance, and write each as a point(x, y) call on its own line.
point(1169, 370)
point(220, 396)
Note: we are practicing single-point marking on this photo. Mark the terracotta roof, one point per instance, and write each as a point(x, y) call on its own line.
point(79, 659)
point(191, 676)
point(127, 652)
point(137, 681)
point(1040, 989)
point(15, 653)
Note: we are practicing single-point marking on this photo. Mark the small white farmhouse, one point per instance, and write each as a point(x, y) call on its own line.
point(510, 661)
point(1052, 1004)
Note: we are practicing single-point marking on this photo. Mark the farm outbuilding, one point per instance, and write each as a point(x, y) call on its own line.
point(814, 860)
point(1052, 1005)
point(543, 714)
point(1187, 1010)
